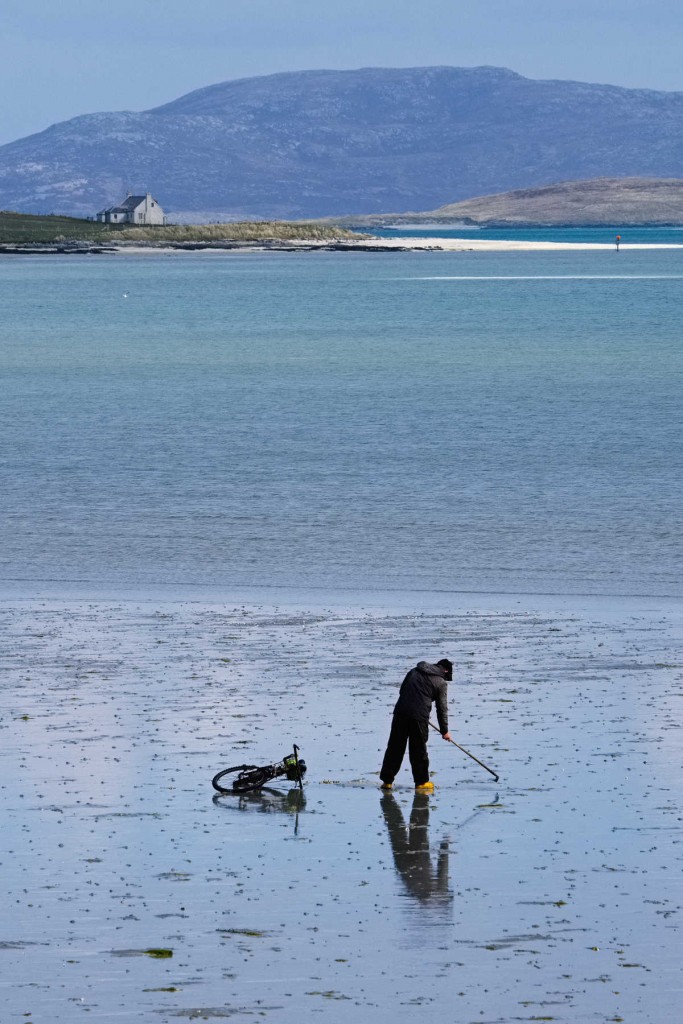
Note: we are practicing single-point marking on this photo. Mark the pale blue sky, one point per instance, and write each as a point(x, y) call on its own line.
point(60, 58)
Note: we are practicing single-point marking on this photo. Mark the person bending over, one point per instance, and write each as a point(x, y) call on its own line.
point(423, 686)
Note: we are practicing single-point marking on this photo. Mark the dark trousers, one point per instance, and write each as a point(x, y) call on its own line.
point(410, 731)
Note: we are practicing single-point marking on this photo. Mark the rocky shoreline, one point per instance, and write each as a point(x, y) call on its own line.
point(93, 248)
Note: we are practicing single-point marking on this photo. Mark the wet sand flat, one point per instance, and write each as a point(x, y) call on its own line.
point(132, 893)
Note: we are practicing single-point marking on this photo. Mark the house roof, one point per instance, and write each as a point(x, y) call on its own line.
point(128, 205)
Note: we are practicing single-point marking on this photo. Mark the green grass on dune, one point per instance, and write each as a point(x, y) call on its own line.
point(241, 231)
point(25, 229)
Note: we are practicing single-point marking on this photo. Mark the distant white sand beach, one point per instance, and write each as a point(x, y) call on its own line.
point(503, 245)
point(432, 244)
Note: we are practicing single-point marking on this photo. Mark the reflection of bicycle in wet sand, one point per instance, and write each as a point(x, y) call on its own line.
point(251, 777)
point(265, 801)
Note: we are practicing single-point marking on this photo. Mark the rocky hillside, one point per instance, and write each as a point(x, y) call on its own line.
point(315, 143)
point(599, 202)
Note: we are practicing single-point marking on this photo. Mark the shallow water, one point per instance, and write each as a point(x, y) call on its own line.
point(552, 895)
point(602, 235)
point(453, 421)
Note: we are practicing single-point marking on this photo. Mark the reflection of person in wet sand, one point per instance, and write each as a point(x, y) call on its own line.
point(410, 847)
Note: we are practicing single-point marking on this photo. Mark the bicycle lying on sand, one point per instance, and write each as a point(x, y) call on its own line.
point(251, 776)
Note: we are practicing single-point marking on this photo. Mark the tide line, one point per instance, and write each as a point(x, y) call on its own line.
point(547, 277)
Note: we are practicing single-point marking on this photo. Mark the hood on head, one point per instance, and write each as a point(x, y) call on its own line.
point(430, 670)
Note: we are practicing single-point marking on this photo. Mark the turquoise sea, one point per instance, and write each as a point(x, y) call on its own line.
point(602, 235)
point(451, 421)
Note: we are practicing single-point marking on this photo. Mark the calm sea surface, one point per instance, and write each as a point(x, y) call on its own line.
point(459, 421)
point(603, 235)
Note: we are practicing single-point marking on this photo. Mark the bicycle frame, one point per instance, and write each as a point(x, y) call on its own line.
point(251, 777)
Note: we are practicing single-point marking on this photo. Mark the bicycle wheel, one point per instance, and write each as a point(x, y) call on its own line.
point(250, 780)
point(250, 777)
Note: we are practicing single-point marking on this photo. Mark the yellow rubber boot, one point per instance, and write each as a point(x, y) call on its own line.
point(424, 787)
point(387, 785)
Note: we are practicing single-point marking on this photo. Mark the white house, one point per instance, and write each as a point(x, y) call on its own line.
point(138, 210)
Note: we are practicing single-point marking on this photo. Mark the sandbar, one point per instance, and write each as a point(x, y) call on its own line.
point(431, 244)
point(381, 245)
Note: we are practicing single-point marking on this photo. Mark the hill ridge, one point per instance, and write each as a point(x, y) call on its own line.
point(628, 202)
point(325, 142)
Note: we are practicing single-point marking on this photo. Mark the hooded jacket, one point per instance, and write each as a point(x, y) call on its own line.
point(424, 685)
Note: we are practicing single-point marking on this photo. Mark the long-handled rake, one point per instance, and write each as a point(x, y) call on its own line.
point(468, 753)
